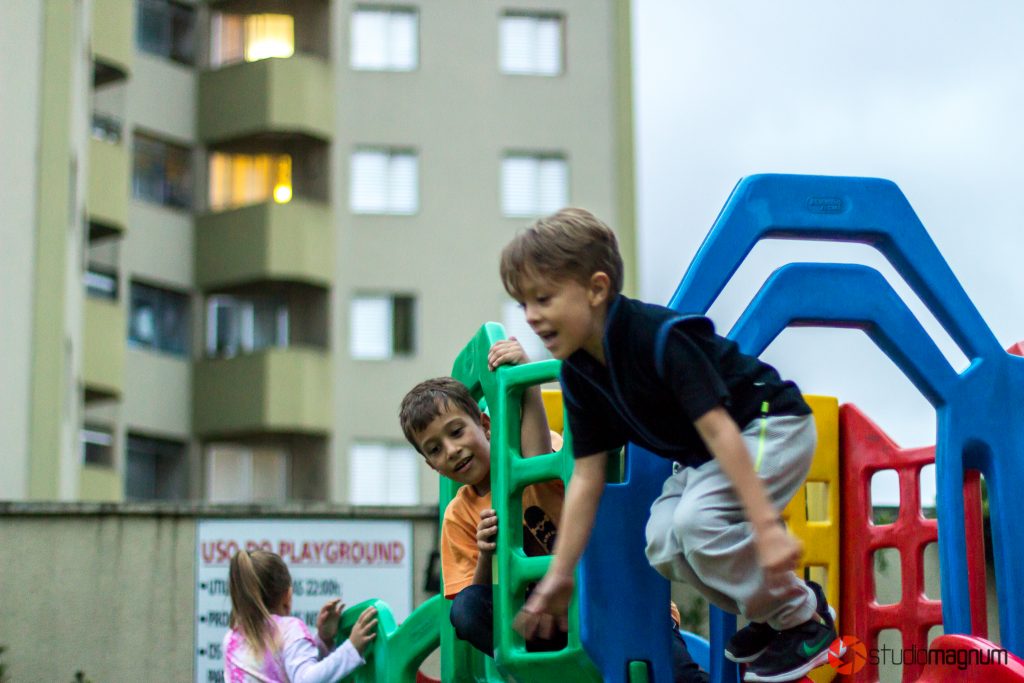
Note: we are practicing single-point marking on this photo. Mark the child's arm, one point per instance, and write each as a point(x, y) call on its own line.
point(300, 656)
point(777, 550)
point(535, 438)
point(549, 601)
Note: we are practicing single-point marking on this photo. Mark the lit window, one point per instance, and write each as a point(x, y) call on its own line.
point(167, 29)
point(384, 182)
point(239, 474)
point(384, 40)
point(97, 446)
point(237, 37)
point(155, 469)
point(531, 44)
point(159, 319)
point(235, 325)
point(240, 179)
point(161, 172)
point(533, 185)
point(382, 327)
point(383, 474)
point(514, 321)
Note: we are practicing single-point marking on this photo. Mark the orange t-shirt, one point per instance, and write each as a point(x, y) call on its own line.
point(542, 507)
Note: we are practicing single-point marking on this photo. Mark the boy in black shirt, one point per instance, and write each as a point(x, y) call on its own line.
point(741, 440)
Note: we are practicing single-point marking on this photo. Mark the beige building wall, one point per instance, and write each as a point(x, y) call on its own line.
point(455, 109)
point(46, 80)
point(20, 33)
point(461, 115)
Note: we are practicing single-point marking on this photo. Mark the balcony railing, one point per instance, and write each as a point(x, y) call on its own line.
point(276, 390)
point(271, 96)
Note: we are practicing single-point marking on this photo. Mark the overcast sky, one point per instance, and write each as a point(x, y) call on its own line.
point(927, 94)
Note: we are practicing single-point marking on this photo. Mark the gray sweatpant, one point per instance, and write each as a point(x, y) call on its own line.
point(698, 530)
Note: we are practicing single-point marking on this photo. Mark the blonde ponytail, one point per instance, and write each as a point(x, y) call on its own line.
point(257, 582)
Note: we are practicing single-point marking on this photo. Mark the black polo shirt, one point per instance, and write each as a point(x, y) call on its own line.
point(663, 371)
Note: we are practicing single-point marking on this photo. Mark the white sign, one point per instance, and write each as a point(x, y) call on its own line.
point(351, 559)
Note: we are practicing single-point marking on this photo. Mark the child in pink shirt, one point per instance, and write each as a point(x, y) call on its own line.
point(266, 645)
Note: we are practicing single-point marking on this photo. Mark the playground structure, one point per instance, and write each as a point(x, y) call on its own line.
point(979, 432)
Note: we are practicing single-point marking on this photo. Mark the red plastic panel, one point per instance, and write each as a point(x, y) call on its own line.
point(975, 660)
point(1017, 349)
point(864, 450)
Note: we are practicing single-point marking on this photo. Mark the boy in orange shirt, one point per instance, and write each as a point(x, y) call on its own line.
point(443, 422)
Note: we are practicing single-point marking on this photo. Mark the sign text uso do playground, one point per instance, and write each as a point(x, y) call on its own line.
point(329, 553)
point(351, 559)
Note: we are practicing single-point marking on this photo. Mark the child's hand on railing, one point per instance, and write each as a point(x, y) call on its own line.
point(506, 352)
point(487, 531)
point(365, 630)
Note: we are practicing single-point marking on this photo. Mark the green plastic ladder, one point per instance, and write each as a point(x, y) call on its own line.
point(501, 393)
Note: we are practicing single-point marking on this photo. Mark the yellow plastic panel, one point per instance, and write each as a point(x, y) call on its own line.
point(813, 514)
point(553, 407)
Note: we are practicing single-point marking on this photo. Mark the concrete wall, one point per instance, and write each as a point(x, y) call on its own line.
point(110, 590)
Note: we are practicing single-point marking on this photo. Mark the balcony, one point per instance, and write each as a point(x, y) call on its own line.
point(279, 96)
point(103, 362)
point(277, 390)
point(113, 23)
point(290, 242)
point(107, 201)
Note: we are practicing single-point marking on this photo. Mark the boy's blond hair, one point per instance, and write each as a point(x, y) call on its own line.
point(431, 398)
point(572, 243)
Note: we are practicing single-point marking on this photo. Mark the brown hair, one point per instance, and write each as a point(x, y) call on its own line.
point(572, 243)
point(257, 581)
point(431, 398)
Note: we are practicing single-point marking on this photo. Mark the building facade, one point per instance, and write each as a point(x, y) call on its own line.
point(237, 232)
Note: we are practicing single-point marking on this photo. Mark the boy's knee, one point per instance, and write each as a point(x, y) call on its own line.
point(471, 606)
point(659, 535)
point(689, 523)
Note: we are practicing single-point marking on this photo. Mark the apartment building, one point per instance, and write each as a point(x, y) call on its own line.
point(238, 231)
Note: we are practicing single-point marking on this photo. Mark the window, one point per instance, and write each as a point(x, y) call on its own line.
point(162, 172)
point(167, 29)
point(384, 182)
point(100, 284)
point(155, 469)
point(106, 128)
point(384, 474)
point(240, 474)
point(533, 185)
point(236, 325)
point(515, 324)
point(240, 179)
point(531, 44)
point(384, 40)
point(236, 37)
point(382, 327)
point(97, 446)
point(159, 319)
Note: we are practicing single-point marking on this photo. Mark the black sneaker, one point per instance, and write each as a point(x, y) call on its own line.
point(797, 651)
point(749, 642)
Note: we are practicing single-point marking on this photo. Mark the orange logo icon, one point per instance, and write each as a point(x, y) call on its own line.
point(856, 655)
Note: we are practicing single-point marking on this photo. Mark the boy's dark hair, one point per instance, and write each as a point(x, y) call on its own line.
point(431, 398)
point(572, 243)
